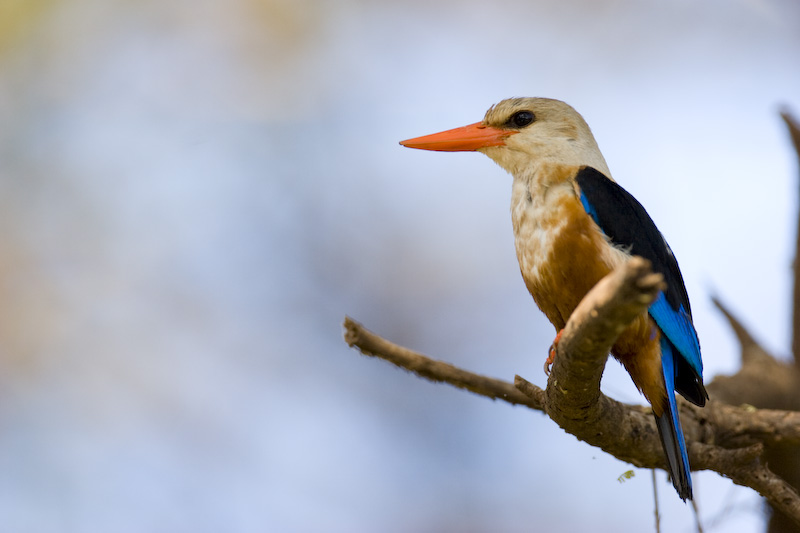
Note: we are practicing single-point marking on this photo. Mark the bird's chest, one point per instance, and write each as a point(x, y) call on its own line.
point(561, 251)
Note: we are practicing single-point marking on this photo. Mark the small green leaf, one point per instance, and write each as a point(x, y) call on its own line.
point(626, 476)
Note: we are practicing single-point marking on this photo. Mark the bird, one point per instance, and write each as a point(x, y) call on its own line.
point(573, 224)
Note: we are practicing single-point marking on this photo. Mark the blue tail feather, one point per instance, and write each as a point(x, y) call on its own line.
point(669, 427)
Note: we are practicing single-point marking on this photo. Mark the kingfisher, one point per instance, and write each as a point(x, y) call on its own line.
point(573, 224)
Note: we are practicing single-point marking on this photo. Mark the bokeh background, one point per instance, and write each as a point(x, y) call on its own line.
point(193, 194)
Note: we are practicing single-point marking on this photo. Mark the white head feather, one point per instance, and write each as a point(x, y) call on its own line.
point(557, 134)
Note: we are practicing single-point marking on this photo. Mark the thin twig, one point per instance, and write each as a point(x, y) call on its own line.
point(697, 521)
point(373, 345)
point(655, 500)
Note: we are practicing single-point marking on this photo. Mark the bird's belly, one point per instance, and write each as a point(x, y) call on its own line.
point(562, 253)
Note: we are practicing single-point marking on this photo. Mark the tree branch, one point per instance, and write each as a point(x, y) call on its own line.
point(794, 133)
point(372, 345)
point(720, 437)
point(762, 380)
point(573, 390)
point(744, 466)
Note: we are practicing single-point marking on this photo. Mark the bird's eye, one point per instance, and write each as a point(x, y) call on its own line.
point(520, 119)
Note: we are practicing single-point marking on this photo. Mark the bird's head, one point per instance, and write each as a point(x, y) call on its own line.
point(519, 133)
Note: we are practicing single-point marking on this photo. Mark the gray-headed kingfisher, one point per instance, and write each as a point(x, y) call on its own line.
point(573, 225)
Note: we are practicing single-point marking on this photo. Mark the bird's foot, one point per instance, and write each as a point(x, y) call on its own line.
point(551, 353)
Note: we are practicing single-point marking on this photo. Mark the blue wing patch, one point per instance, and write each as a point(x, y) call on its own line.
point(590, 210)
point(677, 327)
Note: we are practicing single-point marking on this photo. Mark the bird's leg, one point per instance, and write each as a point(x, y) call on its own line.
point(551, 353)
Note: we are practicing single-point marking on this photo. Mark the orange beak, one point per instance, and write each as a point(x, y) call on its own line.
point(463, 139)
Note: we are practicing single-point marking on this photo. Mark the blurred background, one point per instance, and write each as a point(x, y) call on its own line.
point(193, 194)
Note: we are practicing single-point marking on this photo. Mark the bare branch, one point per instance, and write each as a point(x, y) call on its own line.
point(573, 388)
point(752, 352)
point(763, 380)
point(745, 467)
point(794, 132)
point(740, 427)
point(753, 447)
point(373, 345)
point(625, 431)
point(729, 440)
point(794, 129)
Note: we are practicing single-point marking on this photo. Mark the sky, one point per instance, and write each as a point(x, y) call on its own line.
point(195, 194)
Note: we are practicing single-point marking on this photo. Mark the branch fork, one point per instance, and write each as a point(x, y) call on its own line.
point(723, 438)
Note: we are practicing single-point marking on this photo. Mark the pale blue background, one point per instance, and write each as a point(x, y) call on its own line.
point(194, 194)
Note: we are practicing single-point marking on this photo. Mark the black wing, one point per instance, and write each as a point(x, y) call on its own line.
point(626, 223)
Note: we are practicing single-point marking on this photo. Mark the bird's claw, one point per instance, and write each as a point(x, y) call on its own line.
point(551, 353)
